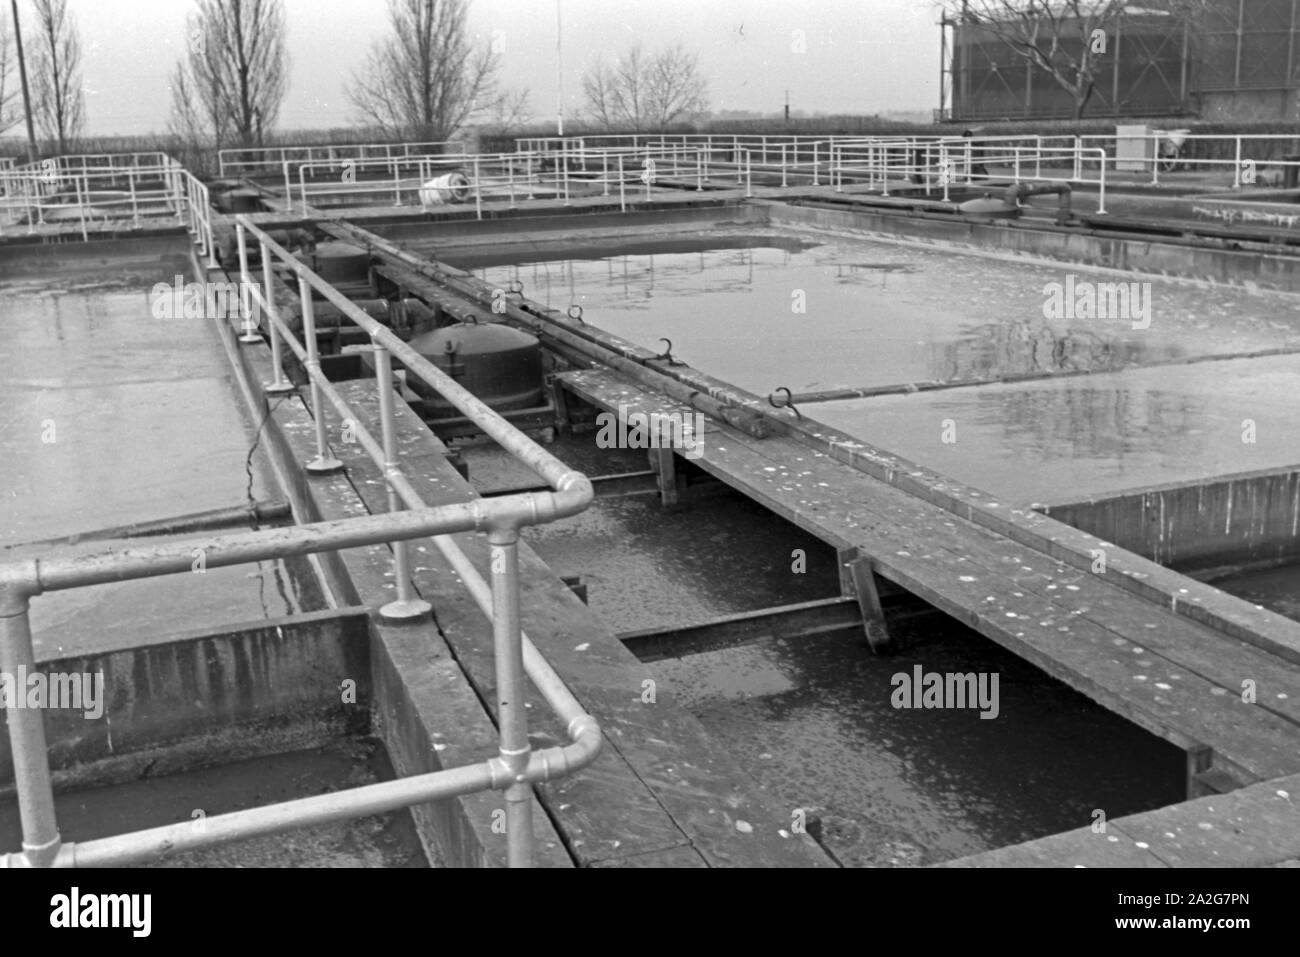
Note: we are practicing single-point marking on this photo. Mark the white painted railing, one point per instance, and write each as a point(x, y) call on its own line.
point(243, 161)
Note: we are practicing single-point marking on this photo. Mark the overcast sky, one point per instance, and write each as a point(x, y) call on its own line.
point(862, 56)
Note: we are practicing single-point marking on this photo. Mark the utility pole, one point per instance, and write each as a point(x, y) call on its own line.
point(32, 154)
point(559, 74)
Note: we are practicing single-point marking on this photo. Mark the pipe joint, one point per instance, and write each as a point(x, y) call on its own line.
point(19, 582)
point(502, 774)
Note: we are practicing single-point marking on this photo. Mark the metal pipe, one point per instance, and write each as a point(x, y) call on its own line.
point(278, 385)
point(325, 462)
point(408, 605)
point(27, 738)
point(478, 191)
point(512, 717)
point(246, 313)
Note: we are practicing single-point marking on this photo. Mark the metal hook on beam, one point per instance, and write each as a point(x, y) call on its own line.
point(575, 313)
point(667, 354)
point(787, 404)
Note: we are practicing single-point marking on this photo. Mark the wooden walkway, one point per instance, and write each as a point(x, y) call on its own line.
point(1258, 826)
point(1132, 649)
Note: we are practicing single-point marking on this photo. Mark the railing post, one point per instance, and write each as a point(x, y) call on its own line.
point(1038, 157)
point(945, 170)
point(478, 191)
point(245, 311)
point(604, 170)
point(1016, 178)
point(206, 219)
point(815, 181)
point(82, 199)
point(510, 178)
point(699, 171)
point(512, 718)
point(288, 189)
point(564, 165)
point(407, 606)
point(324, 462)
point(622, 186)
point(135, 208)
point(32, 780)
point(1078, 159)
point(1236, 165)
point(278, 385)
point(1101, 190)
point(749, 174)
point(784, 180)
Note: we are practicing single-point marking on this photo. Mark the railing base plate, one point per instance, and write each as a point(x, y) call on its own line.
point(324, 466)
point(408, 610)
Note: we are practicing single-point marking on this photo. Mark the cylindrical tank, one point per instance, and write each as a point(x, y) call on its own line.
point(500, 365)
point(448, 188)
point(342, 262)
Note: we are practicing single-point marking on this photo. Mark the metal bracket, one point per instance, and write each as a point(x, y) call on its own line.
point(787, 404)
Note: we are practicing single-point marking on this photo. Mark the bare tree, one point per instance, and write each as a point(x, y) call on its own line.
point(642, 91)
point(427, 78)
point(232, 81)
point(1067, 39)
point(10, 106)
point(506, 111)
point(58, 99)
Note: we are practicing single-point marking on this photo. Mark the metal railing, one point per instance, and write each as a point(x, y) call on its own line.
point(514, 769)
point(238, 161)
point(382, 177)
point(48, 193)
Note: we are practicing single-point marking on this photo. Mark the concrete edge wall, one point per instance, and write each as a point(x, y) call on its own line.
point(1251, 519)
point(209, 698)
point(1146, 257)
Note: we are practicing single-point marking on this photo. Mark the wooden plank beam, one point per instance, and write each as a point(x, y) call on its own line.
point(785, 621)
point(863, 575)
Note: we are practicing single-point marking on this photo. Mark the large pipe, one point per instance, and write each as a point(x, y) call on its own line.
point(1018, 191)
point(254, 513)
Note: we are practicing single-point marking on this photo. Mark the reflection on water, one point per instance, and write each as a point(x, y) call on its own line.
point(849, 313)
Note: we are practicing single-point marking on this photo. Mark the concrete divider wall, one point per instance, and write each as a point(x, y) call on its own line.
point(1242, 520)
point(207, 698)
point(1145, 256)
